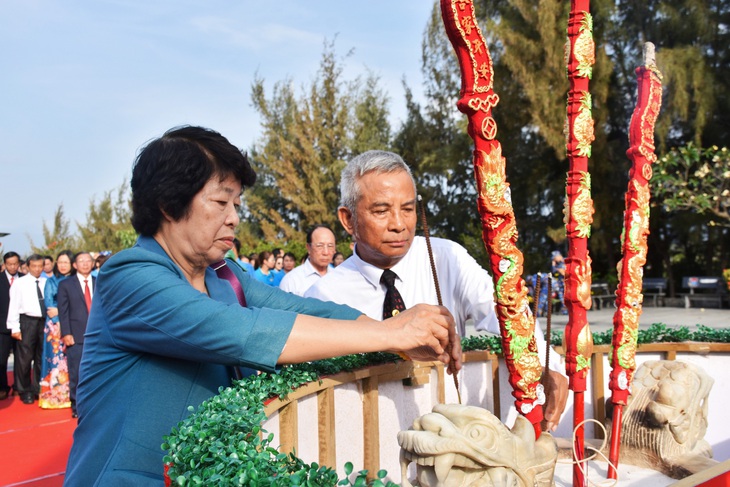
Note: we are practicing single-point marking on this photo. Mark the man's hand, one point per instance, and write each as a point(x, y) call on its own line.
point(556, 389)
point(17, 335)
point(456, 355)
point(68, 340)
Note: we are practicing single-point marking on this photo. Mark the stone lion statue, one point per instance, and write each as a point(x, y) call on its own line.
point(455, 446)
point(665, 420)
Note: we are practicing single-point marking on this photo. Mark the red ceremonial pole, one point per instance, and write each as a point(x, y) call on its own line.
point(633, 244)
point(578, 341)
point(499, 230)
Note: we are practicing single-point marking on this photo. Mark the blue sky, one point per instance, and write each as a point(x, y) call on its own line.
point(84, 84)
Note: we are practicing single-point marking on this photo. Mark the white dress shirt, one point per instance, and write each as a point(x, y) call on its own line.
point(89, 279)
point(13, 277)
point(24, 300)
point(300, 279)
point(466, 288)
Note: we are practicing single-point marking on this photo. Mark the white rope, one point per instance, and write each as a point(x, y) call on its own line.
point(582, 464)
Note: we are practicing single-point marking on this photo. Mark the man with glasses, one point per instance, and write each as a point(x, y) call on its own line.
point(320, 249)
point(74, 304)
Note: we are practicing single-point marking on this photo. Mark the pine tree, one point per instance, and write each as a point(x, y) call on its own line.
point(58, 237)
point(108, 222)
point(305, 143)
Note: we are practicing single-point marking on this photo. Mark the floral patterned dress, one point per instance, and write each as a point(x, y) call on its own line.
point(54, 371)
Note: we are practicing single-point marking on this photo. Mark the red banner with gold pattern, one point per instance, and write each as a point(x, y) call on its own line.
point(633, 243)
point(499, 230)
point(577, 339)
point(578, 202)
point(635, 230)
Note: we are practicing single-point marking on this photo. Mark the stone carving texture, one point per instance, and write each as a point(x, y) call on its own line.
point(460, 446)
point(665, 421)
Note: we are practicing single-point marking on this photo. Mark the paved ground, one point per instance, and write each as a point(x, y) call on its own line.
point(602, 320)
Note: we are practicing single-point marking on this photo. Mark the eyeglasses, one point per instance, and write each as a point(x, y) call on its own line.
point(321, 246)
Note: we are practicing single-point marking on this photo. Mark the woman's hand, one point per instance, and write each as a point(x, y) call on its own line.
point(426, 332)
point(52, 312)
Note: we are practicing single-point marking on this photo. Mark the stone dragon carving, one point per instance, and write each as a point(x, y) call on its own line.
point(665, 421)
point(460, 446)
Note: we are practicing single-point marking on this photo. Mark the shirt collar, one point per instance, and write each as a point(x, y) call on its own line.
point(149, 243)
point(372, 273)
point(218, 289)
point(309, 268)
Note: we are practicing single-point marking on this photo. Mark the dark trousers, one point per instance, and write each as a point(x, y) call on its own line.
point(28, 355)
point(73, 359)
point(7, 345)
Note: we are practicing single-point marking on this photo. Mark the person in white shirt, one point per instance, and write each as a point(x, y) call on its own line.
point(320, 249)
point(26, 319)
point(378, 208)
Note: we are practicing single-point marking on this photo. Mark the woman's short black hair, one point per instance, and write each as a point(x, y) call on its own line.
point(171, 170)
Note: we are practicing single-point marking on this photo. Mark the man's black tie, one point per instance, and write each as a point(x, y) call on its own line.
point(41, 301)
point(393, 303)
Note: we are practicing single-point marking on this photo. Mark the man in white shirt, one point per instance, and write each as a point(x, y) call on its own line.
point(320, 249)
point(378, 209)
point(26, 316)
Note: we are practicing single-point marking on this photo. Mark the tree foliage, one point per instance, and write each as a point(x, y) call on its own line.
point(526, 43)
point(108, 222)
point(107, 227)
point(308, 132)
point(305, 142)
point(57, 238)
point(697, 180)
point(434, 142)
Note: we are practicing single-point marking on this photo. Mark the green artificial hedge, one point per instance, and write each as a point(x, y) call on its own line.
point(222, 443)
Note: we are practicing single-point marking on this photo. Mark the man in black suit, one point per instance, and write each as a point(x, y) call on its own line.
point(74, 303)
point(7, 343)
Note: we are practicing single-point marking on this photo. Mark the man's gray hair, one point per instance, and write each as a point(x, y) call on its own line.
point(374, 160)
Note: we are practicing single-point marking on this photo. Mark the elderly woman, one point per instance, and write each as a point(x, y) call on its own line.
point(170, 318)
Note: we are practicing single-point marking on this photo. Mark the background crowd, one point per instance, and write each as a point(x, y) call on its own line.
point(42, 371)
point(44, 306)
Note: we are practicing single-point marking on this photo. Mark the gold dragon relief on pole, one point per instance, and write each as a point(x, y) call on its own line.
point(578, 281)
point(650, 115)
point(511, 293)
point(493, 186)
point(634, 243)
point(584, 49)
point(578, 216)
